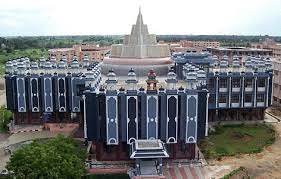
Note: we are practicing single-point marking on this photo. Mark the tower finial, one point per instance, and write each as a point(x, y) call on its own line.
point(139, 9)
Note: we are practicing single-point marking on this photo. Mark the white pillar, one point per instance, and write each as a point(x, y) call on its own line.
point(229, 92)
point(217, 91)
point(242, 88)
point(207, 117)
point(85, 122)
point(255, 92)
point(267, 91)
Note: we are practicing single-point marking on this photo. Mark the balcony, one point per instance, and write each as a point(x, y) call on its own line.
point(248, 89)
point(261, 89)
point(222, 90)
point(211, 105)
point(236, 89)
point(235, 105)
point(222, 105)
point(260, 104)
point(248, 104)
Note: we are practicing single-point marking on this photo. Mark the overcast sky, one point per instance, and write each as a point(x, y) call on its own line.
point(110, 17)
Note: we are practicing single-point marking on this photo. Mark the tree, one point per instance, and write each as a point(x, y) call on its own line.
point(9, 50)
point(60, 157)
point(5, 118)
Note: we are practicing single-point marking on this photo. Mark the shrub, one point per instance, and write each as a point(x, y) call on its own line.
point(235, 172)
point(57, 158)
point(5, 118)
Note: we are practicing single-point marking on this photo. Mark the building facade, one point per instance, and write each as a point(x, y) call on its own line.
point(235, 93)
point(113, 118)
point(192, 46)
point(276, 82)
point(205, 44)
point(176, 47)
point(130, 123)
point(269, 44)
point(47, 91)
point(241, 52)
point(93, 52)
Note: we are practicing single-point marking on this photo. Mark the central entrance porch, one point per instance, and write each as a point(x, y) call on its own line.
point(148, 155)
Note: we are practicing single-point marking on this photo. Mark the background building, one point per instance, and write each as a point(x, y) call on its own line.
point(276, 82)
point(213, 44)
point(58, 53)
point(94, 52)
point(270, 45)
point(176, 47)
point(192, 46)
point(241, 52)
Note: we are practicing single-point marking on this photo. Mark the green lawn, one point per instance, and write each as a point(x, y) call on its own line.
point(230, 140)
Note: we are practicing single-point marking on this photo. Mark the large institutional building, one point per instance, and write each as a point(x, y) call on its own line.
point(149, 113)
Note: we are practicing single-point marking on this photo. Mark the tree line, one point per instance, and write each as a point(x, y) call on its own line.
point(20, 43)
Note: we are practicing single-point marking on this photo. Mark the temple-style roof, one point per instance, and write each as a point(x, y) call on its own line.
point(140, 44)
point(148, 149)
point(138, 31)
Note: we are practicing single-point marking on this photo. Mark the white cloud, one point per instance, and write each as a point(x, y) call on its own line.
point(65, 17)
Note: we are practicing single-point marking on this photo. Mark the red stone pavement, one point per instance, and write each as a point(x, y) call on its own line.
point(107, 170)
point(177, 172)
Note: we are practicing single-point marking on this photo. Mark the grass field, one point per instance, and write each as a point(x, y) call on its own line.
point(230, 140)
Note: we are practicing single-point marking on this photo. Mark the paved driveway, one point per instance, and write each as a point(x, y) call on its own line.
point(196, 172)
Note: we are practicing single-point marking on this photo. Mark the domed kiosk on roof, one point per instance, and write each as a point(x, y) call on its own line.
point(140, 51)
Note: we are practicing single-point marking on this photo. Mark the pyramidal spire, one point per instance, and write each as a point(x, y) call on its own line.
point(139, 20)
point(139, 26)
